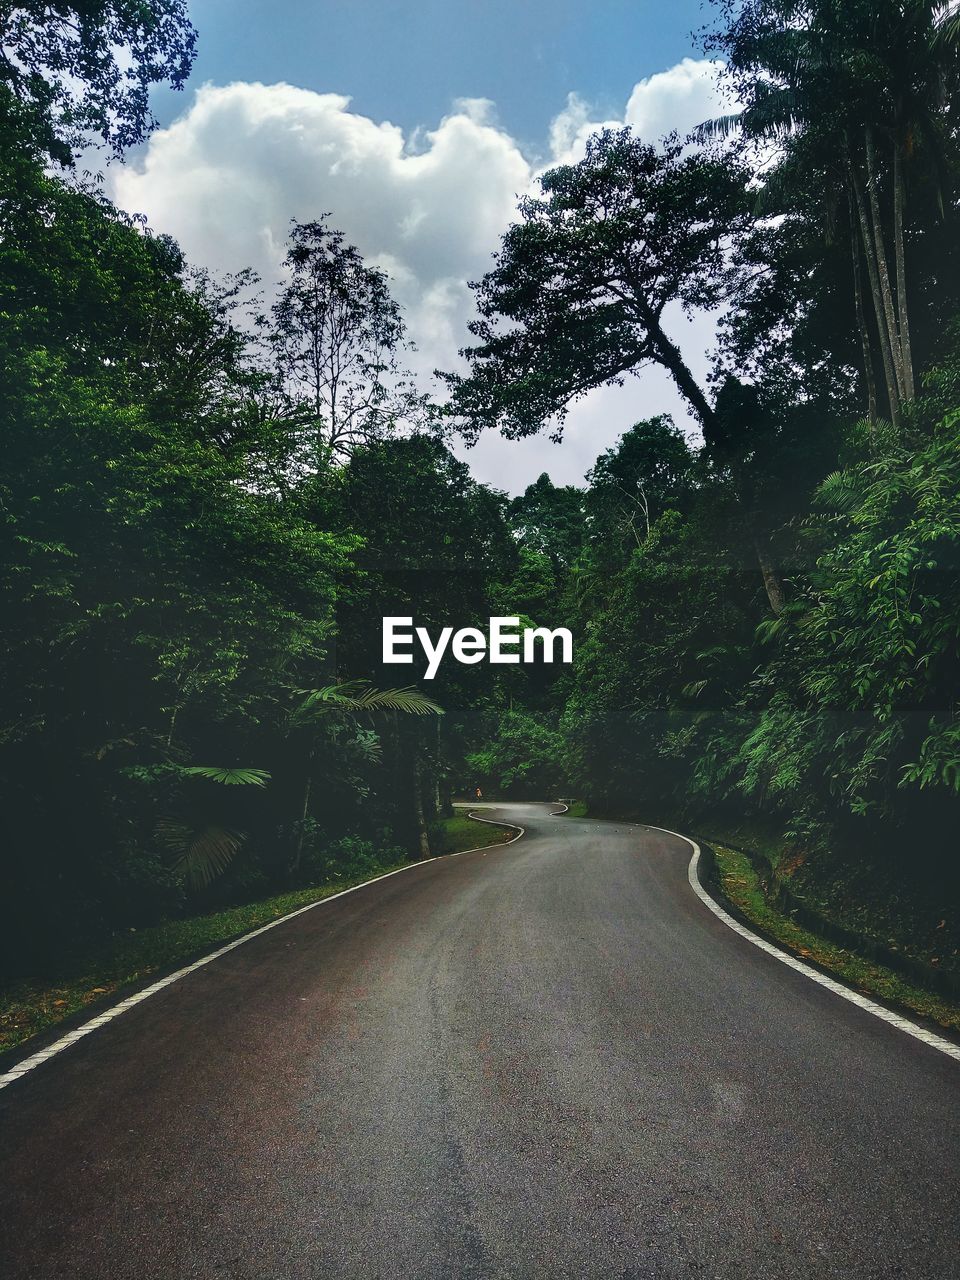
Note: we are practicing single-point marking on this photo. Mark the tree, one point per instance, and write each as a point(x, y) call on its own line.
point(577, 297)
point(663, 645)
point(433, 539)
point(856, 712)
point(337, 336)
point(631, 485)
point(358, 698)
point(524, 758)
point(434, 545)
point(84, 70)
point(153, 604)
point(549, 520)
point(858, 91)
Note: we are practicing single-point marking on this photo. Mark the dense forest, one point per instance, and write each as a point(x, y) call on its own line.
point(212, 490)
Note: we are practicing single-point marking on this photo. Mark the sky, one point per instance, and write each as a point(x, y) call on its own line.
point(416, 126)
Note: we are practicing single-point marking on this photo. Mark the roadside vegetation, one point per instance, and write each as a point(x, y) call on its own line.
point(214, 489)
point(461, 832)
point(742, 886)
point(577, 809)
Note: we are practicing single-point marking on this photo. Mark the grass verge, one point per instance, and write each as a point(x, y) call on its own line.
point(461, 833)
point(130, 959)
point(576, 809)
point(740, 884)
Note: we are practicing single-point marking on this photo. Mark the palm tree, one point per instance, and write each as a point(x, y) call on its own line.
point(917, 44)
point(852, 74)
point(356, 699)
point(199, 849)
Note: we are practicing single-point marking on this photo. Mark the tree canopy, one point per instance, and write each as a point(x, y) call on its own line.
point(83, 71)
point(576, 299)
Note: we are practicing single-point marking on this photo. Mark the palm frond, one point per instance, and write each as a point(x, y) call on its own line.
point(776, 112)
point(838, 492)
point(948, 31)
point(721, 127)
point(359, 696)
point(228, 777)
point(200, 853)
point(769, 629)
point(694, 689)
point(409, 701)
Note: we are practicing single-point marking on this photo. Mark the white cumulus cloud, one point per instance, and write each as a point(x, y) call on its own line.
point(678, 100)
point(672, 101)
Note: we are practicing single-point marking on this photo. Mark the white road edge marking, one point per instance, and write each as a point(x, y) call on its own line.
point(862, 1002)
point(41, 1056)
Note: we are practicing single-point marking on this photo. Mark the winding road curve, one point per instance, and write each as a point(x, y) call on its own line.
point(547, 1059)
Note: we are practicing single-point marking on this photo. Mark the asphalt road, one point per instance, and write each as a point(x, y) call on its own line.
point(545, 1060)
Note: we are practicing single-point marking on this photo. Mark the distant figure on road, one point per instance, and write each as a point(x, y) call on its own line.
point(479, 794)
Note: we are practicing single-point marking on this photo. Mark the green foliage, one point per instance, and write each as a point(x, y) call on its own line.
point(879, 644)
point(346, 860)
point(631, 486)
point(228, 777)
point(159, 602)
point(82, 68)
point(576, 298)
point(741, 884)
point(200, 854)
point(74, 979)
point(857, 96)
point(460, 833)
point(335, 341)
point(550, 521)
point(524, 759)
point(359, 696)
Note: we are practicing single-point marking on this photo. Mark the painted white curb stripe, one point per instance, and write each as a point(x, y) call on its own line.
point(58, 1046)
point(854, 997)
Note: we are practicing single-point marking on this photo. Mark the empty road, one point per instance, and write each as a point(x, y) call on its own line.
point(547, 1059)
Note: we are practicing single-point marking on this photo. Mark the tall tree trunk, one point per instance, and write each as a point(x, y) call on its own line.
point(437, 796)
point(899, 206)
point(772, 582)
point(305, 813)
point(869, 251)
point(868, 373)
point(669, 356)
point(418, 810)
point(873, 194)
